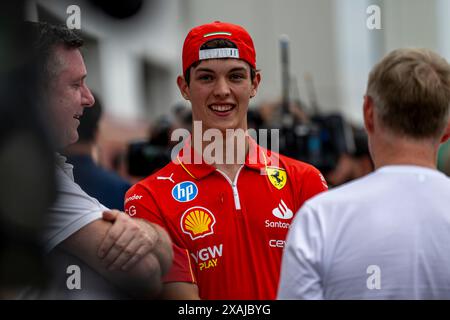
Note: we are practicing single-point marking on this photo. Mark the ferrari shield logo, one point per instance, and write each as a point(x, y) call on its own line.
point(277, 177)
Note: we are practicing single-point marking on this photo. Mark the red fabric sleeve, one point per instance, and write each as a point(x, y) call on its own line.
point(139, 203)
point(313, 184)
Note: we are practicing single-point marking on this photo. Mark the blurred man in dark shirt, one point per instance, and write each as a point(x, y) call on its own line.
point(105, 185)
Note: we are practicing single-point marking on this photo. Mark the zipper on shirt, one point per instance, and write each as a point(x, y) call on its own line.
point(237, 202)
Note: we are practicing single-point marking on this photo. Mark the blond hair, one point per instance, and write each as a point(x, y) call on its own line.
point(411, 92)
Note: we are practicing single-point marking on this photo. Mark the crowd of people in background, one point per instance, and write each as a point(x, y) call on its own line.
point(349, 165)
point(346, 165)
point(143, 232)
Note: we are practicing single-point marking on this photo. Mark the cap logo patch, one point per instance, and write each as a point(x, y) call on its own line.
point(221, 33)
point(218, 53)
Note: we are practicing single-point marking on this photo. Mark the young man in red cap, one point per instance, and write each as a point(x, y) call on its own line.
point(227, 210)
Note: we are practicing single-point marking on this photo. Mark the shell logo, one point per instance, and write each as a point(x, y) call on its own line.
point(197, 222)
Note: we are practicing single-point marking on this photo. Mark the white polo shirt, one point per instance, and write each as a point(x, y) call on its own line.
point(72, 210)
point(383, 236)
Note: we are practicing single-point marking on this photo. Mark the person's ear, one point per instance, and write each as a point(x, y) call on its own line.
point(255, 84)
point(446, 133)
point(368, 110)
point(184, 87)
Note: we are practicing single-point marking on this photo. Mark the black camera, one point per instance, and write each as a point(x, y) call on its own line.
point(144, 158)
point(319, 142)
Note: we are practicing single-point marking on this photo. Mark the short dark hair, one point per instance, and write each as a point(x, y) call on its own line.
point(214, 44)
point(46, 37)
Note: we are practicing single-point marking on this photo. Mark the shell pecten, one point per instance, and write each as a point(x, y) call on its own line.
point(197, 222)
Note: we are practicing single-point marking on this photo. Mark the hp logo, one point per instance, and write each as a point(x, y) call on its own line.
point(185, 191)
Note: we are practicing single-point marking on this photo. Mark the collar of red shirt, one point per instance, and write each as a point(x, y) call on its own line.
point(258, 158)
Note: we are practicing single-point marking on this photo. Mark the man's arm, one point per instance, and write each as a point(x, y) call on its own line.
point(135, 253)
point(180, 291)
point(120, 249)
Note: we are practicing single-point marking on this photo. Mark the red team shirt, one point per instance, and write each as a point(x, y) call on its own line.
point(228, 236)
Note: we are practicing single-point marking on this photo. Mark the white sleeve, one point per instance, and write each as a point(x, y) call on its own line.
point(72, 210)
point(301, 266)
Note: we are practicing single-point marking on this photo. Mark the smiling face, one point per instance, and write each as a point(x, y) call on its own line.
point(220, 91)
point(67, 94)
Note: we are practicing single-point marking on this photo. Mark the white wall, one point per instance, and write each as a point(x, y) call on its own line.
point(116, 58)
point(330, 40)
point(410, 23)
point(353, 56)
point(308, 23)
point(443, 27)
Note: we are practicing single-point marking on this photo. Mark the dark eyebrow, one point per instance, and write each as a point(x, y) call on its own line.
point(238, 69)
point(204, 70)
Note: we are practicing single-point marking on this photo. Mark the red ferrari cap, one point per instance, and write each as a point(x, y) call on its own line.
point(218, 30)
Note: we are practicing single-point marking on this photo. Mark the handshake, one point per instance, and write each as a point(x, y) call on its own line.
point(129, 240)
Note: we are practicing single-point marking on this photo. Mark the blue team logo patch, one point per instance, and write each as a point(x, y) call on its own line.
point(185, 191)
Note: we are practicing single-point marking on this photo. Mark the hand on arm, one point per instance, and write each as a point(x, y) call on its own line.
point(128, 240)
point(163, 246)
point(135, 253)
